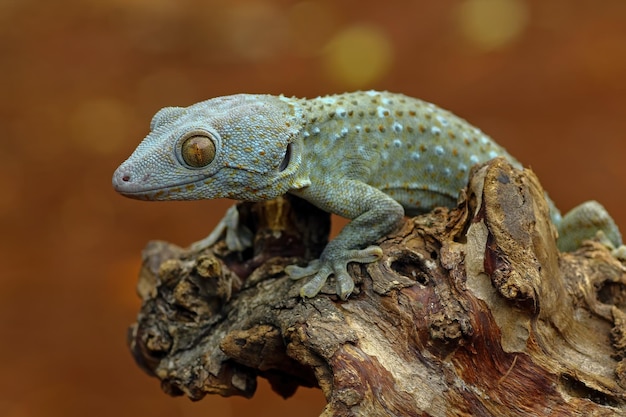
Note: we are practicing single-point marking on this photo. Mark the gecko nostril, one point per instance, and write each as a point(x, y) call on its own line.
point(126, 178)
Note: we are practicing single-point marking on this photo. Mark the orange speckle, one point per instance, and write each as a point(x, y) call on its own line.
point(262, 153)
point(381, 128)
point(410, 129)
point(421, 128)
point(422, 147)
point(467, 142)
point(455, 152)
point(386, 113)
point(190, 187)
point(367, 129)
point(412, 113)
point(451, 134)
point(350, 113)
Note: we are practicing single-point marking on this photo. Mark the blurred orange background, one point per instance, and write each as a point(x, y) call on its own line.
point(80, 81)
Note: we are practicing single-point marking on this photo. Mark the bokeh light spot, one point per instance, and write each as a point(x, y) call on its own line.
point(491, 24)
point(358, 56)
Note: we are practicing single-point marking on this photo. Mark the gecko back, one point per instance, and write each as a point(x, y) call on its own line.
point(414, 151)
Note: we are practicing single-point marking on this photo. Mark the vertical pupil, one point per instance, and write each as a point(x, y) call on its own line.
point(196, 150)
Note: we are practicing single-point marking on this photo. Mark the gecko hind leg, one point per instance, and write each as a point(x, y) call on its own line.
point(588, 221)
point(321, 269)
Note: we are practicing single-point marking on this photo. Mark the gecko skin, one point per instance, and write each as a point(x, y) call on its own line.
point(371, 157)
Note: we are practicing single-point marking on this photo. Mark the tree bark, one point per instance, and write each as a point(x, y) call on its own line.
point(471, 312)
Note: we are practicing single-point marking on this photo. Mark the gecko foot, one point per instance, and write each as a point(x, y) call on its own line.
point(618, 252)
point(238, 236)
point(321, 269)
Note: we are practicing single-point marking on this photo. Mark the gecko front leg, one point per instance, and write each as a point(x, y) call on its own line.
point(238, 236)
point(373, 215)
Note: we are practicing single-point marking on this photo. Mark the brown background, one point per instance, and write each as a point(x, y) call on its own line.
point(80, 80)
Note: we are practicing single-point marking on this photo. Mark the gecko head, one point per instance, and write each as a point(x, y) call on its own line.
point(243, 147)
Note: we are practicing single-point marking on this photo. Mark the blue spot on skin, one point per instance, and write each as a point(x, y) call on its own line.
point(397, 143)
point(382, 112)
point(474, 159)
point(415, 156)
point(435, 130)
point(439, 150)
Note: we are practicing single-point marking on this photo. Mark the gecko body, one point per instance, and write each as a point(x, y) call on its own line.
point(371, 157)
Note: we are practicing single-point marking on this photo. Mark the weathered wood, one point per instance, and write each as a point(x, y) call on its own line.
point(471, 312)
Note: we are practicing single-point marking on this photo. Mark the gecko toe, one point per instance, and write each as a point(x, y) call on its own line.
point(337, 264)
point(314, 286)
point(296, 272)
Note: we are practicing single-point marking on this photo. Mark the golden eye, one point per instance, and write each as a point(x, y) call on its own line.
point(198, 151)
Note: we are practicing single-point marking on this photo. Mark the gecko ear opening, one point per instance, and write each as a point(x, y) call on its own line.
point(285, 162)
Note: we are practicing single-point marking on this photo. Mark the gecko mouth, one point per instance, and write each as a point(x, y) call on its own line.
point(131, 185)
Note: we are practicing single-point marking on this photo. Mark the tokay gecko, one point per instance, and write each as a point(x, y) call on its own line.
point(371, 157)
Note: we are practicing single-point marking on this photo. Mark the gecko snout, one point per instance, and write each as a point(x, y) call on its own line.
point(123, 181)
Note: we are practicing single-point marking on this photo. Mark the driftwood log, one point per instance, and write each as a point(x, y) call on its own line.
point(471, 312)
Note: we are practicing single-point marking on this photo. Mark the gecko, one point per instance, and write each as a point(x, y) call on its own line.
point(371, 157)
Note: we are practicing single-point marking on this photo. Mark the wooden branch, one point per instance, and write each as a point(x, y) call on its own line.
point(471, 312)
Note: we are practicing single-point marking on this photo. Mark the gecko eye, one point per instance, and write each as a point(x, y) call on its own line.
point(285, 162)
point(198, 151)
